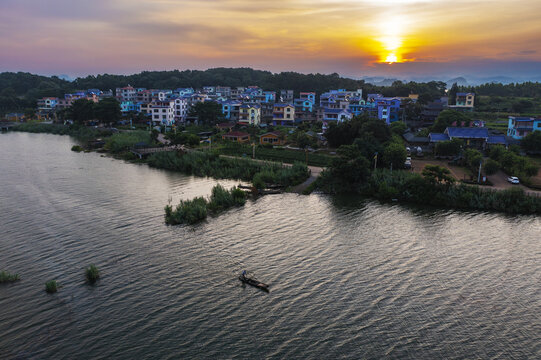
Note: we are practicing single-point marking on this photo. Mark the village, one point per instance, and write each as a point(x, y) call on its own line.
point(288, 126)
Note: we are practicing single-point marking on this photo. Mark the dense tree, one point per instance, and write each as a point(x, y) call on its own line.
point(449, 148)
point(398, 128)
point(350, 168)
point(532, 142)
point(447, 117)
point(108, 110)
point(491, 166)
point(81, 110)
point(452, 94)
point(208, 112)
point(395, 155)
point(437, 175)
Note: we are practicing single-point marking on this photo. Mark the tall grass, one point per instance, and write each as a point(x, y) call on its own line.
point(6, 277)
point(410, 187)
point(92, 274)
point(51, 286)
point(196, 210)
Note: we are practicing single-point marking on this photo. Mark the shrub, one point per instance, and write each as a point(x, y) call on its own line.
point(222, 198)
point(51, 286)
point(92, 274)
point(187, 212)
point(6, 277)
point(76, 148)
point(491, 167)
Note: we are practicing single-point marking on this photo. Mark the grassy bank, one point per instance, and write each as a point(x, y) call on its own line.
point(196, 210)
point(277, 154)
point(81, 133)
point(213, 165)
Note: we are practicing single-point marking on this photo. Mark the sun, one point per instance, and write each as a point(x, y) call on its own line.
point(392, 33)
point(391, 58)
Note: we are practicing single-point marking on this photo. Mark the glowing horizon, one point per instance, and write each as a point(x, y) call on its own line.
point(347, 36)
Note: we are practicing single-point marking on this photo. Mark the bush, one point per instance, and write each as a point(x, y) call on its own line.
point(51, 286)
point(92, 274)
point(76, 148)
point(194, 211)
point(6, 277)
point(187, 212)
point(222, 199)
point(491, 167)
point(449, 148)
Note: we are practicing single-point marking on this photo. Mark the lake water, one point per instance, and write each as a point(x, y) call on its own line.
point(349, 278)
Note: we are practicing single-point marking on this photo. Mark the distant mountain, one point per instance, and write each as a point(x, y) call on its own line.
point(66, 77)
point(379, 81)
point(460, 81)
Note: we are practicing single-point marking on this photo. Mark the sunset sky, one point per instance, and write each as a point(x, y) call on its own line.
point(351, 37)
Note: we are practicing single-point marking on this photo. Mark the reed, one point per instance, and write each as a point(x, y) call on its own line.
point(92, 274)
point(6, 277)
point(51, 286)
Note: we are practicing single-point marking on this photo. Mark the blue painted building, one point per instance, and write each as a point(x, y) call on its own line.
point(388, 109)
point(518, 127)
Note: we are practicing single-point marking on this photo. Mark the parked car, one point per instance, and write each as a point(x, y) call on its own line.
point(408, 150)
point(513, 180)
point(407, 163)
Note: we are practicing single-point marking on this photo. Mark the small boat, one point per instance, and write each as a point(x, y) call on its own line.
point(254, 283)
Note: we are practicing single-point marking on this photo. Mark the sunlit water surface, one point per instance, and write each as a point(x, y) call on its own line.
point(349, 278)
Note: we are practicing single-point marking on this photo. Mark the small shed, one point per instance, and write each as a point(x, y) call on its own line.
point(238, 136)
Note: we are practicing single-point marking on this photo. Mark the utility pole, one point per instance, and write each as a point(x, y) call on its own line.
point(479, 175)
point(253, 150)
point(375, 161)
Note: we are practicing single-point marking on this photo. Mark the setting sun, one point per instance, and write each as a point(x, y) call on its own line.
point(391, 38)
point(391, 59)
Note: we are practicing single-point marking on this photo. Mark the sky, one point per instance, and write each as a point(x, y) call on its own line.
point(355, 38)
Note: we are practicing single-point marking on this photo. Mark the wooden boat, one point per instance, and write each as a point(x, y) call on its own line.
point(254, 283)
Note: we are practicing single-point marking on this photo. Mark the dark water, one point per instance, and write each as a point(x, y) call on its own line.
point(349, 279)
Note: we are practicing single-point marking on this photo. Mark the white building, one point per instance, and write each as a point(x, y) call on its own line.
point(163, 112)
point(181, 108)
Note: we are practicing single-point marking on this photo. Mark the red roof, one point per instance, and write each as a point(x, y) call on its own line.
point(237, 134)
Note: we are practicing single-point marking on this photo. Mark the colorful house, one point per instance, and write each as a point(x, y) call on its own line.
point(388, 109)
point(272, 138)
point(250, 114)
point(336, 115)
point(127, 106)
point(518, 127)
point(47, 103)
point(310, 96)
point(238, 136)
point(231, 109)
point(464, 102)
point(303, 105)
point(283, 114)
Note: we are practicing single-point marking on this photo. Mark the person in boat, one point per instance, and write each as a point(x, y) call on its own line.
point(244, 274)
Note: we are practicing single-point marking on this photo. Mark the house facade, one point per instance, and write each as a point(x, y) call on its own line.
point(272, 138)
point(237, 136)
point(283, 114)
point(519, 127)
point(250, 114)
